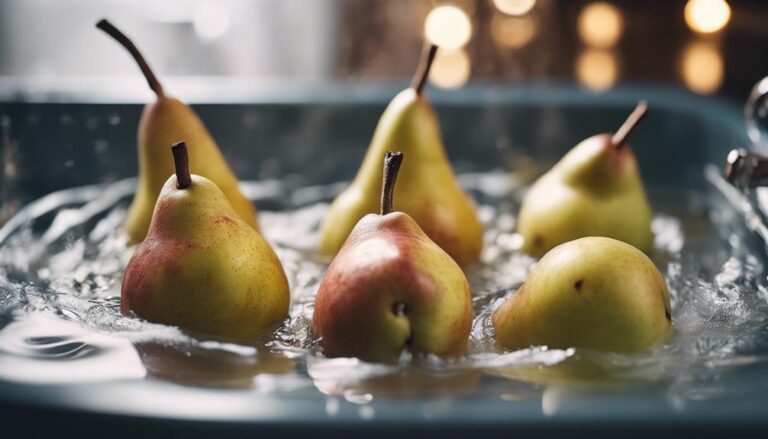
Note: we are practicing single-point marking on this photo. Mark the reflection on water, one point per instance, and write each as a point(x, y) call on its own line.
point(210, 364)
point(61, 261)
point(359, 383)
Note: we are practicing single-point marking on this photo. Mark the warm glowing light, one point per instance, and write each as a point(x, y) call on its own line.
point(707, 16)
point(211, 20)
point(448, 27)
point(702, 68)
point(600, 24)
point(451, 69)
point(514, 7)
point(513, 32)
point(597, 70)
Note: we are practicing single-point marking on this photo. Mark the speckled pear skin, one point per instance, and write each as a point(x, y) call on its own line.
point(164, 122)
point(388, 260)
point(427, 189)
point(595, 293)
point(595, 190)
point(203, 268)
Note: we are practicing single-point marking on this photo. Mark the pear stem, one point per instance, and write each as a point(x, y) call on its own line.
point(392, 161)
point(181, 162)
point(620, 137)
point(126, 42)
point(425, 64)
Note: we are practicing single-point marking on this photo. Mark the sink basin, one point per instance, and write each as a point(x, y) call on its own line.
point(64, 140)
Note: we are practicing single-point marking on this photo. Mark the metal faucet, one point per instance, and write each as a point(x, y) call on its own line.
point(745, 169)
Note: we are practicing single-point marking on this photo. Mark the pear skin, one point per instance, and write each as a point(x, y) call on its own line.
point(391, 288)
point(162, 123)
point(427, 190)
point(203, 268)
point(595, 293)
point(595, 190)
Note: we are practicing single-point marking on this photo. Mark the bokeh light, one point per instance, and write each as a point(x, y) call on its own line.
point(514, 7)
point(702, 67)
point(598, 70)
point(451, 69)
point(600, 24)
point(513, 32)
point(448, 26)
point(707, 16)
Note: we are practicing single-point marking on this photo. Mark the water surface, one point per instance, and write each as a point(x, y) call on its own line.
point(62, 258)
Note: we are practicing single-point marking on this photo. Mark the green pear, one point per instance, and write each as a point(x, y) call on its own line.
point(391, 288)
point(595, 190)
point(595, 293)
point(201, 266)
point(428, 190)
point(163, 122)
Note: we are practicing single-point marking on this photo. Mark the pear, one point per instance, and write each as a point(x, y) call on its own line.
point(428, 190)
point(201, 266)
point(595, 190)
point(391, 288)
point(594, 292)
point(163, 122)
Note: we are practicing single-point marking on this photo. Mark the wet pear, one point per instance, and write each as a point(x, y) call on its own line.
point(201, 267)
point(595, 190)
point(428, 190)
point(163, 122)
point(595, 293)
point(391, 288)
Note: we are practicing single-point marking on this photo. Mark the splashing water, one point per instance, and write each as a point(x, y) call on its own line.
point(62, 258)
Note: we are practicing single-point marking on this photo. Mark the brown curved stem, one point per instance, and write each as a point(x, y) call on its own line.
point(425, 64)
point(126, 42)
point(620, 137)
point(392, 161)
point(181, 162)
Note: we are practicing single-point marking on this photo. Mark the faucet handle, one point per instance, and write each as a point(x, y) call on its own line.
point(745, 169)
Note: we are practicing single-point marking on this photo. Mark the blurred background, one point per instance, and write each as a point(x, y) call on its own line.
point(342, 51)
point(707, 46)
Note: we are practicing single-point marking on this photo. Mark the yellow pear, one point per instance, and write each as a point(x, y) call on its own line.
point(428, 191)
point(201, 266)
point(595, 190)
point(163, 122)
point(594, 292)
point(391, 288)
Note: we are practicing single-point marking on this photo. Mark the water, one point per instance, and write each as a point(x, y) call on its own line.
point(62, 257)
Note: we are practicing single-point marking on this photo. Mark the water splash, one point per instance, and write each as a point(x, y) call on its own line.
point(42, 349)
point(62, 258)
